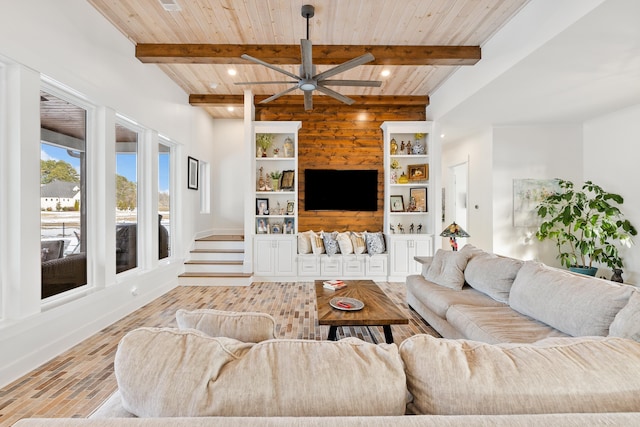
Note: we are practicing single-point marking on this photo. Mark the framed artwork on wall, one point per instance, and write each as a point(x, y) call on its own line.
point(262, 206)
point(192, 173)
point(397, 203)
point(419, 195)
point(418, 172)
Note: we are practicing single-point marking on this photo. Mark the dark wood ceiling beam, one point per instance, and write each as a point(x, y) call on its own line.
point(379, 100)
point(290, 54)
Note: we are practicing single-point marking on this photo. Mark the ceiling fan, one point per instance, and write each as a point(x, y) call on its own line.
point(308, 80)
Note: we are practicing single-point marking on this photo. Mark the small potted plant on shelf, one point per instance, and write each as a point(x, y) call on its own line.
point(264, 141)
point(275, 179)
point(586, 225)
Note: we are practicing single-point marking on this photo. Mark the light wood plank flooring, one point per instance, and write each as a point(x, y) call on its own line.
point(76, 382)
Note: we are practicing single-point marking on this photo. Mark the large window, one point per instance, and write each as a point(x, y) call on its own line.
point(126, 197)
point(164, 198)
point(63, 195)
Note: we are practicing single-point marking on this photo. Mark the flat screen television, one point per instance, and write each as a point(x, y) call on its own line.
point(341, 189)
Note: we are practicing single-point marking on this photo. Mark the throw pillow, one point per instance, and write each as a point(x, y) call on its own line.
point(344, 241)
point(331, 246)
point(317, 245)
point(492, 275)
point(447, 269)
point(359, 245)
point(304, 242)
point(626, 324)
point(375, 243)
point(242, 326)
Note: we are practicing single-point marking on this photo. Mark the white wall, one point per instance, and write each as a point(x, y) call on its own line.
point(611, 154)
point(68, 41)
point(521, 152)
point(477, 150)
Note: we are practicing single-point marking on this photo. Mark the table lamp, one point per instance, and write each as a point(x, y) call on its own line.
point(453, 231)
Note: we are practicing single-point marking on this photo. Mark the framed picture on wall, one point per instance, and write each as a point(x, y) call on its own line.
point(419, 172)
point(192, 173)
point(262, 206)
point(397, 203)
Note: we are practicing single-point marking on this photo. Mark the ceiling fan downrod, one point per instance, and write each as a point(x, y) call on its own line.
point(307, 12)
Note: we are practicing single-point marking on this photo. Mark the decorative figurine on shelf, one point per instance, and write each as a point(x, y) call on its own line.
point(401, 228)
point(288, 147)
point(275, 152)
point(617, 275)
point(402, 147)
point(262, 185)
point(411, 229)
point(409, 147)
point(394, 147)
point(393, 230)
point(419, 228)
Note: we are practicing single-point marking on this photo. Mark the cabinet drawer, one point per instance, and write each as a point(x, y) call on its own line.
point(353, 266)
point(308, 266)
point(330, 266)
point(377, 265)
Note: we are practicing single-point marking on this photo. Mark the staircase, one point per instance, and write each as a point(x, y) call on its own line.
point(216, 260)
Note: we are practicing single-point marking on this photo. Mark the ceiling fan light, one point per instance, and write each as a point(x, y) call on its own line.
point(307, 85)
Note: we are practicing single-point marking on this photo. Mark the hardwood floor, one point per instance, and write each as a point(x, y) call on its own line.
point(76, 382)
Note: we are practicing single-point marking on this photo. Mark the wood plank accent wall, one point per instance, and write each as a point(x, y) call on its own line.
point(340, 137)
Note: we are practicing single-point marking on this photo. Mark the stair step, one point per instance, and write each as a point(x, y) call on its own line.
point(211, 262)
point(215, 279)
point(216, 275)
point(222, 237)
point(216, 251)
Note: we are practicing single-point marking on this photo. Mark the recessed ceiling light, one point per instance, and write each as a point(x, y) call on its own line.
point(170, 5)
point(442, 135)
point(232, 71)
point(385, 73)
point(213, 85)
point(230, 108)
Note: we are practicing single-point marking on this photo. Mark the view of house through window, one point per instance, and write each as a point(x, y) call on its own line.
point(126, 198)
point(63, 195)
point(164, 199)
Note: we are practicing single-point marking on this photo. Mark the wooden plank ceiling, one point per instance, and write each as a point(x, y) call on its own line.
point(420, 42)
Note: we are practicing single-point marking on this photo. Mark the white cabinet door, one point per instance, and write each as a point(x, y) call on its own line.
point(422, 247)
point(264, 258)
point(274, 256)
point(402, 250)
point(400, 256)
point(285, 257)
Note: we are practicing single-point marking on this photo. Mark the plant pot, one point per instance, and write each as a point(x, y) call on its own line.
point(588, 271)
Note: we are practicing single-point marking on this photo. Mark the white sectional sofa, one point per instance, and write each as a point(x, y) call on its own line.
point(476, 295)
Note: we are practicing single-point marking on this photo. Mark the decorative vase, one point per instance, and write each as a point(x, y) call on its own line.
point(588, 271)
point(288, 147)
point(404, 179)
point(275, 184)
point(259, 152)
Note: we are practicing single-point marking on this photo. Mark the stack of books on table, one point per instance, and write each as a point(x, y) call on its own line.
point(334, 285)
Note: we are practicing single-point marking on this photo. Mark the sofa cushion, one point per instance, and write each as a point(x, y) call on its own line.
point(304, 242)
point(242, 326)
point(626, 324)
point(575, 304)
point(163, 373)
point(562, 375)
point(359, 244)
point(375, 243)
point(495, 325)
point(439, 298)
point(317, 244)
point(168, 372)
point(447, 268)
point(492, 274)
point(330, 242)
point(344, 241)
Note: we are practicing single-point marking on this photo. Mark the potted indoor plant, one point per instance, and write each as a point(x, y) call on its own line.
point(586, 225)
point(275, 179)
point(264, 141)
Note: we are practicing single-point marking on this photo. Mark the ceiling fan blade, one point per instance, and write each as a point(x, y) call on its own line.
point(266, 64)
point(307, 60)
point(308, 101)
point(362, 59)
point(369, 83)
point(336, 95)
point(266, 83)
point(278, 95)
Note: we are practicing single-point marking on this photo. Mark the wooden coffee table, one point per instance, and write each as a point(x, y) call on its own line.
point(378, 309)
